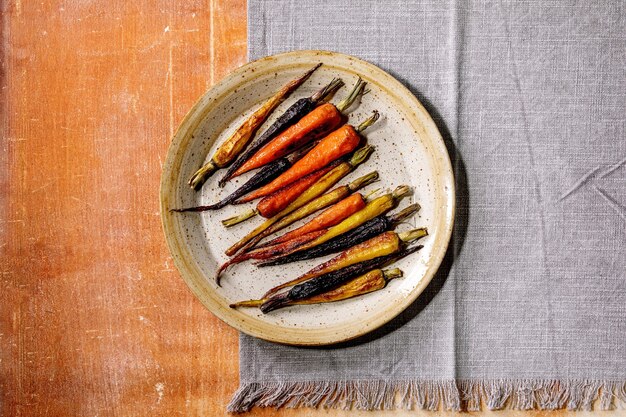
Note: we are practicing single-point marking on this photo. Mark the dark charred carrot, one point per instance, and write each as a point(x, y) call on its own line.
point(268, 251)
point(339, 143)
point(331, 280)
point(268, 173)
point(371, 281)
point(384, 244)
point(232, 147)
point(265, 175)
point(327, 218)
point(294, 113)
point(275, 203)
point(360, 234)
point(318, 123)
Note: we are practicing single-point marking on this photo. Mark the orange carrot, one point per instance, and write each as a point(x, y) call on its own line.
point(339, 143)
point(276, 202)
point(329, 217)
point(313, 126)
point(319, 122)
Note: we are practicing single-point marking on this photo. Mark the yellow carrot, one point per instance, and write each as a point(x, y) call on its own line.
point(384, 244)
point(374, 208)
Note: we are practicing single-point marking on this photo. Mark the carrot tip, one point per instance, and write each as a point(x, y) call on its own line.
point(222, 182)
point(401, 191)
point(412, 235)
point(360, 155)
point(364, 181)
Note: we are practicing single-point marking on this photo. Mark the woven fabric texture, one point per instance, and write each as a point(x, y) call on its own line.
point(529, 308)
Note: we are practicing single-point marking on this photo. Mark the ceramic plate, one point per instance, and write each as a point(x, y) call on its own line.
point(409, 150)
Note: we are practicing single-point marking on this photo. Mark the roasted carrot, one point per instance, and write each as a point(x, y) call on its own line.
point(262, 177)
point(339, 143)
point(329, 217)
point(315, 125)
point(268, 251)
point(231, 147)
point(371, 281)
point(294, 113)
point(384, 244)
point(268, 173)
point(317, 189)
point(367, 230)
point(331, 280)
point(314, 205)
point(318, 123)
point(374, 208)
point(275, 203)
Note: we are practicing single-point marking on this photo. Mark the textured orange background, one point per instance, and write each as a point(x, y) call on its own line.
point(95, 319)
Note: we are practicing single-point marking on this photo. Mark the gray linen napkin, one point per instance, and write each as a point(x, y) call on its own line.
point(529, 308)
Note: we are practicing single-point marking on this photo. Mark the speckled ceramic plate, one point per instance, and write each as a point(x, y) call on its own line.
point(409, 150)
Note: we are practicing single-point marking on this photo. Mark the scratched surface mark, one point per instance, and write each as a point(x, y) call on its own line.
point(94, 318)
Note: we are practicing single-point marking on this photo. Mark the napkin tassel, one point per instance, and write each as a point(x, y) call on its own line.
point(468, 395)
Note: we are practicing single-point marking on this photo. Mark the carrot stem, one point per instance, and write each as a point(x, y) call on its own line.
point(356, 91)
point(368, 122)
point(231, 221)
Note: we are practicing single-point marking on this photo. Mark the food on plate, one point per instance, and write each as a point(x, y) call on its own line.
point(384, 244)
point(314, 205)
point(301, 156)
point(367, 230)
point(316, 124)
point(235, 144)
point(317, 189)
point(269, 251)
point(321, 179)
point(331, 280)
point(265, 175)
point(371, 281)
point(277, 201)
point(337, 144)
point(309, 231)
point(293, 114)
point(374, 208)
point(329, 217)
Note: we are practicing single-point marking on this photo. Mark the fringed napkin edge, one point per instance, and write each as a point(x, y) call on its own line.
point(461, 395)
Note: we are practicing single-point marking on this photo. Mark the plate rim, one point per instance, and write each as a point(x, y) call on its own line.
point(189, 124)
